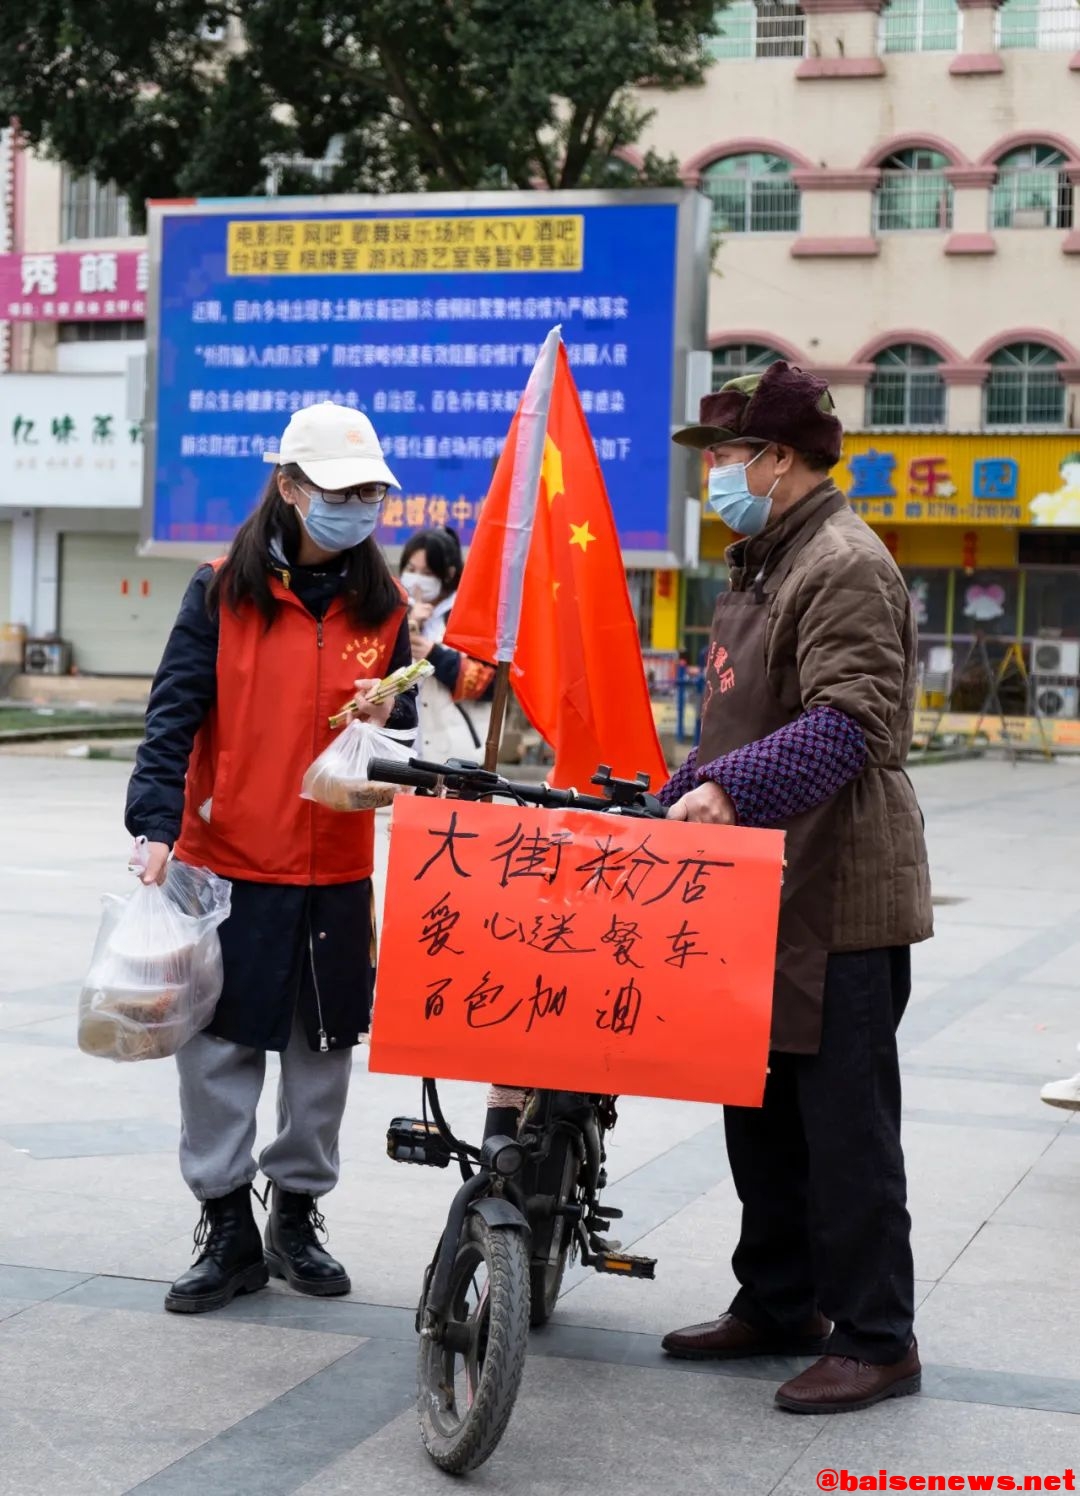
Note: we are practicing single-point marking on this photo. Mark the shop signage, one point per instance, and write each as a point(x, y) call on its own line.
point(963, 480)
point(66, 442)
point(92, 285)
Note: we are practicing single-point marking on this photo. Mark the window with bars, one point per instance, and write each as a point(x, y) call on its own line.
point(752, 194)
point(90, 209)
point(914, 192)
point(734, 360)
point(1039, 25)
point(920, 26)
point(759, 28)
point(905, 388)
point(1025, 387)
point(1032, 190)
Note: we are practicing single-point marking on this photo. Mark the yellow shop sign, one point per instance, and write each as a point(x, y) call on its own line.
point(1010, 479)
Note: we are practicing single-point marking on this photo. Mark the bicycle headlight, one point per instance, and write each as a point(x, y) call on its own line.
point(503, 1155)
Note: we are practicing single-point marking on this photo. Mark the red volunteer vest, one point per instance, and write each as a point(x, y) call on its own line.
point(276, 691)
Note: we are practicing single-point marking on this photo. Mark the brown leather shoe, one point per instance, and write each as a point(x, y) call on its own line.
point(840, 1384)
point(731, 1339)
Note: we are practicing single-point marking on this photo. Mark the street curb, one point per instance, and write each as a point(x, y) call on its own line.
point(945, 756)
point(107, 729)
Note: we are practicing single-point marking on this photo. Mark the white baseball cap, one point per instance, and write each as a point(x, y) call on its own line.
point(335, 446)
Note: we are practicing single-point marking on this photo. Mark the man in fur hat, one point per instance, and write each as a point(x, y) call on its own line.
point(806, 723)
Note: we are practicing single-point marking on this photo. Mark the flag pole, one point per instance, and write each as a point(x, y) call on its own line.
point(498, 715)
point(524, 490)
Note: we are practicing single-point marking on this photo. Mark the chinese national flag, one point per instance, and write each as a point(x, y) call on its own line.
point(576, 664)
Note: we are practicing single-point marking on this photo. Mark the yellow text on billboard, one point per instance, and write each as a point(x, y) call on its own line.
point(407, 246)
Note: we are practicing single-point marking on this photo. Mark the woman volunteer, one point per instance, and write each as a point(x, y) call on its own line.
point(268, 645)
point(453, 713)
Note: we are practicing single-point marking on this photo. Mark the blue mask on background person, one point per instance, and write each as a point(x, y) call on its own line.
point(730, 498)
point(338, 527)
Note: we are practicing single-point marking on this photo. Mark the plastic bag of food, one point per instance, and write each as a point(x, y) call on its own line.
point(156, 974)
point(339, 779)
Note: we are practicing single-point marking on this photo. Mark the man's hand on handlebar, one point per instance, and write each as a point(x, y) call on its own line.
point(708, 804)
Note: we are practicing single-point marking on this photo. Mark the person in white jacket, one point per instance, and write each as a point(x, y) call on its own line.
point(454, 702)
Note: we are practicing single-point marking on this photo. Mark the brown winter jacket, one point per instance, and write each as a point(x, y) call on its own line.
point(841, 633)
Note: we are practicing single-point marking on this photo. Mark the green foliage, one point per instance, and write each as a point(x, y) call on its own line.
point(414, 94)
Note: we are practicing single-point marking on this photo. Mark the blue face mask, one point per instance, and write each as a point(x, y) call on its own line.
point(729, 497)
point(338, 527)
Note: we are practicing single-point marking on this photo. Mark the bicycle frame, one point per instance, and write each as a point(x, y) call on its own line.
point(498, 1193)
point(556, 1151)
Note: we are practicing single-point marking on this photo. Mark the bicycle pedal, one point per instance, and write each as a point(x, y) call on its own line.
point(624, 1265)
point(410, 1141)
point(607, 1213)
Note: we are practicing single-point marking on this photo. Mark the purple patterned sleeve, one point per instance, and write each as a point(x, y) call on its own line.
point(792, 770)
point(683, 779)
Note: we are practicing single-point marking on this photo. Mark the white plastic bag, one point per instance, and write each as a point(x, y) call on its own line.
point(339, 779)
point(156, 973)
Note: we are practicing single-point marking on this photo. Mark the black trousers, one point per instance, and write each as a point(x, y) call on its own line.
point(820, 1172)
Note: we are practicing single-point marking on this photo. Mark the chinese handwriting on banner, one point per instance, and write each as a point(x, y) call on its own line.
point(579, 951)
point(615, 867)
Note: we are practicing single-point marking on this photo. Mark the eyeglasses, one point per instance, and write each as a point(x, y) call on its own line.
point(364, 493)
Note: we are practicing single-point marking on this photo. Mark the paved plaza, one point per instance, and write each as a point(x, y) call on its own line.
point(103, 1393)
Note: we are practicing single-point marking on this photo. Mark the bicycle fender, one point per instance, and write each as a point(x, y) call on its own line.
point(499, 1214)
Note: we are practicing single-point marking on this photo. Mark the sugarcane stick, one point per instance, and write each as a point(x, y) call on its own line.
point(392, 685)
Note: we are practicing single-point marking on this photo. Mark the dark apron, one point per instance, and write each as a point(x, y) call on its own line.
point(741, 707)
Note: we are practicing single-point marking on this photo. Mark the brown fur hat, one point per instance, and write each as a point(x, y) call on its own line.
point(782, 405)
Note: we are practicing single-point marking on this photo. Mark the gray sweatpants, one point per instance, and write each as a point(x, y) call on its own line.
point(220, 1086)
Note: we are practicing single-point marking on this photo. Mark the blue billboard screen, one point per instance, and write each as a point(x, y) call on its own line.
point(429, 320)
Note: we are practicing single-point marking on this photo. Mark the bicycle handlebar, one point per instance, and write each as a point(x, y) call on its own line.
point(465, 781)
point(389, 771)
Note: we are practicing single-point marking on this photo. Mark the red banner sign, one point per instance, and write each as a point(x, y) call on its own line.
point(577, 951)
point(91, 285)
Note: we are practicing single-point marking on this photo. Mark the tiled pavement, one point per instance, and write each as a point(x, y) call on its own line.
point(101, 1392)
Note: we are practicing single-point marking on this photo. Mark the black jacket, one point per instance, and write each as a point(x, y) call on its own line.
point(282, 945)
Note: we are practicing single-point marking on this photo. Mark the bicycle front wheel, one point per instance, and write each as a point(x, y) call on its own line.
point(469, 1377)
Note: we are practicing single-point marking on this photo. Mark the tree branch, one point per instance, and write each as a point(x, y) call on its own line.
point(579, 151)
point(444, 158)
point(544, 161)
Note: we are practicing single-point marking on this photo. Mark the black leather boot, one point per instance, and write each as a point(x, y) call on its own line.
point(293, 1249)
point(231, 1260)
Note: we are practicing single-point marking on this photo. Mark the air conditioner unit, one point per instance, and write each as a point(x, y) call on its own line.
point(1057, 701)
point(47, 657)
point(1055, 657)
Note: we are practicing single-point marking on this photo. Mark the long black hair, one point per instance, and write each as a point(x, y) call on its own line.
point(442, 552)
point(369, 589)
